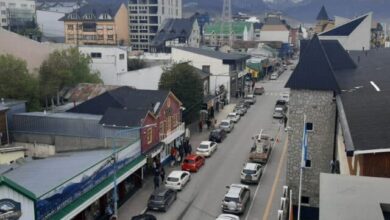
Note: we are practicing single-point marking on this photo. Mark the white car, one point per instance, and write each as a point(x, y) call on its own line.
point(285, 96)
point(234, 116)
point(226, 125)
point(227, 217)
point(251, 173)
point(177, 179)
point(206, 148)
point(274, 76)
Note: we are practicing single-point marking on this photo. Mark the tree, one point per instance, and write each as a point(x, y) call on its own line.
point(62, 69)
point(185, 83)
point(17, 83)
point(135, 64)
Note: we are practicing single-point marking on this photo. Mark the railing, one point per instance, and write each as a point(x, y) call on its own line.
point(166, 135)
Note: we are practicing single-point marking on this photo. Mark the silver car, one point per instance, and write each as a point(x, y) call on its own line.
point(236, 199)
point(227, 125)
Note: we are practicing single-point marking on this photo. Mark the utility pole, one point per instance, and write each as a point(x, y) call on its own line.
point(226, 19)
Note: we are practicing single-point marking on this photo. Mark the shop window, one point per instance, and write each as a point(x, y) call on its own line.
point(149, 135)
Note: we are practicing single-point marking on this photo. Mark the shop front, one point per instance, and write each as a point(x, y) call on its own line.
point(174, 138)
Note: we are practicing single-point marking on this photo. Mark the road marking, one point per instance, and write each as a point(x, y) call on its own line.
point(276, 181)
point(258, 185)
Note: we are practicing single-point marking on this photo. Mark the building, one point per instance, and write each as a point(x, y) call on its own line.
point(324, 23)
point(242, 31)
point(176, 32)
point(110, 61)
point(33, 52)
point(202, 19)
point(344, 197)
point(353, 35)
point(9, 155)
point(73, 185)
point(16, 14)
point(9, 108)
point(98, 23)
point(146, 17)
point(274, 29)
point(226, 69)
point(341, 102)
point(4, 133)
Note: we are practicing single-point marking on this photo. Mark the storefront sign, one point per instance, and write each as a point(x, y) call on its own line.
point(10, 209)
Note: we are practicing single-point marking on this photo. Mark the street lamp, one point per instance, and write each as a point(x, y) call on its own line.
point(115, 155)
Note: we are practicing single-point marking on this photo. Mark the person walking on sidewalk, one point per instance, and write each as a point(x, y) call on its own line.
point(156, 181)
point(162, 174)
point(208, 123)
point(173, 156)
point(200, 124)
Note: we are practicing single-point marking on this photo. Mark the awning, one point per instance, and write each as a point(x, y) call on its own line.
point(173, 136)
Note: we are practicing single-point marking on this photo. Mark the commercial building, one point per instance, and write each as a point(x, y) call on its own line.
point(98, 23)
point(275, 29)
point(146, 17)
point(15, 14)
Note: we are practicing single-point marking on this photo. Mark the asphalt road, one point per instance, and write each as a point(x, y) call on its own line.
point(201, 198)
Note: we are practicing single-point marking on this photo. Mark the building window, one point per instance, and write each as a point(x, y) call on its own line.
point(161, 128)
point(100, 37)
point(109, 27)
point(206, 68)
point(2, 3)
point(4, 20)
point(3, 12)
point(23, 5)
point(70, 26)
point(309, 126)
point(305, 200)
point(149, 135)
point(96, 55)
point(110, 37)
point(121, 56)
point(99, 27)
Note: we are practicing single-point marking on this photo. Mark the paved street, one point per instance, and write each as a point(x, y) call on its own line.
point(201, 198)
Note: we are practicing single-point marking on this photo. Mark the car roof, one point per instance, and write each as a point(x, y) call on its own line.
point(225, 120)
point(176, 173)
point(191, 157)
point(250, 166)
point(206, 142)
point(227, 217)
point(232, 113)
point(217, 130)
point(234, 190)
point(160, 191)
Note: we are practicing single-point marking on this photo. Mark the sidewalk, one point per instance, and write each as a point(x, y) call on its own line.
point(137, 203)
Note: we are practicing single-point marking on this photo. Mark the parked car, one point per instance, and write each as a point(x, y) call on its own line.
point(227, 217)
point(226, 125)
point(236, 199)
point(206, 148)
point(245, 104)
point(192, 163)
point(161, 199)
point(240, 111)
point(144, 217)
point(259, 90)
point(261, 148)
point(279, 112)
point(217, 135)
point(177, 179)
point(274, 76)
point(250, 98)
point(285, 96)
point(251, 173)
point(234, 116)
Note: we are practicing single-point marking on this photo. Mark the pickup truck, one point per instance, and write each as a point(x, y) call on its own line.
point(261, 149)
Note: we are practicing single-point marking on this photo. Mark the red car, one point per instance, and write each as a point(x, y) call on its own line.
point(192, 163)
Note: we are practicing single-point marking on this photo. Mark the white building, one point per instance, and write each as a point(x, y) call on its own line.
point(352, 35)
point(16, 12)
point(111, 62)
point(146, 16)
point(225, 69)
point(274, 29)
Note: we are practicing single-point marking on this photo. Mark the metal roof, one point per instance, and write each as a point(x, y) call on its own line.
point(173, 28)
point(322, 15)
point(215, 54)
point(345, 29)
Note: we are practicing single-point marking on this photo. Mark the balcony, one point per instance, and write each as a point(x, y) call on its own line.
point(173, 134)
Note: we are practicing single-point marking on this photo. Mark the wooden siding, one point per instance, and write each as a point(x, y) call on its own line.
point(376, 165)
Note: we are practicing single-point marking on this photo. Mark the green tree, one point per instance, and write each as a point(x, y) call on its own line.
point(17, 83)
point(185, 83)
point(62, 69)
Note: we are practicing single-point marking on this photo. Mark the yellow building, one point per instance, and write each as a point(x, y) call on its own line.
point(324, 23)
point(100, 22)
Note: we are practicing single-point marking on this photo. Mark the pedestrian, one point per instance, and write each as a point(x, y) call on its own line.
point(162, 174)
point(108, 210)
point(212, 112)
point(173, 156)
point(200, 124)
point(189, 148)
point(185, 148)
point(285, 121)
point(208, 122)
point(156, 181)
point(181, 152)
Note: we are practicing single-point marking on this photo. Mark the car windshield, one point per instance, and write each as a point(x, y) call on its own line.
point(231, 199)
point(157, 198)
point(203, 146)
point(189, 161)
point(224, 123)
point(214, 133)
point(278, 109)
point(246, 171)
point(172, 179)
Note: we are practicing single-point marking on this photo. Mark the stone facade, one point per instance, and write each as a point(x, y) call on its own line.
point(320, 109)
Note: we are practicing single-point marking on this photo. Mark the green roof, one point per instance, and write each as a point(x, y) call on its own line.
point(11, 184)
point(237, 27)
point(254, 66)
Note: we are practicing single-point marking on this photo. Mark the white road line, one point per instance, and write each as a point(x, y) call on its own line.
point(258, 185)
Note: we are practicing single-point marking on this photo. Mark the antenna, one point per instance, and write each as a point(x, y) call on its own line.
point(226, 18)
